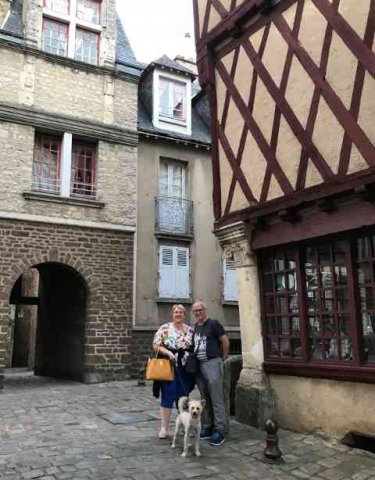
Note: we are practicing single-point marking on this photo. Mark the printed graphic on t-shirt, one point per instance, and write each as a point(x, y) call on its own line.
point(207, 339)
point(201, 343)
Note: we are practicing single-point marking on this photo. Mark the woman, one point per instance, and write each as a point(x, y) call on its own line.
point(172, 340)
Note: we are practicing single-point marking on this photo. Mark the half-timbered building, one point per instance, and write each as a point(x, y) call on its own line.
point(291, 87)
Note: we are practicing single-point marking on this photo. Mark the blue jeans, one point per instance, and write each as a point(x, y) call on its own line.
point(181, 386)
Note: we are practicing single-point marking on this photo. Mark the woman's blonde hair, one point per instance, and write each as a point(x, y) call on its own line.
point(178, 305)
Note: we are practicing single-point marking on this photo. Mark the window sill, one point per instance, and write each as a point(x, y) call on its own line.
point(172, 301)
point(349, 373)
point(175, 236)
point(230, 303)
point(79, 202)
point(175, 121)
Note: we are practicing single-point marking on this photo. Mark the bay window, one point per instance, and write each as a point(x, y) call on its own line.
point(318, 304)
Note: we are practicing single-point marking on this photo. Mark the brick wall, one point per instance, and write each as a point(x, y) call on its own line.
point(104, 259)
point(141, 349)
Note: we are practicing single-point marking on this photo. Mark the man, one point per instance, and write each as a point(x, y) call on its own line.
point(211, 346)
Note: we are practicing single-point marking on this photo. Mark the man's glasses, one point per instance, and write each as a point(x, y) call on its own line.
point(198, 311)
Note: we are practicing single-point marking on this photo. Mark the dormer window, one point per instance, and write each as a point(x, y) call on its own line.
point(172, 99)
point(72, 28)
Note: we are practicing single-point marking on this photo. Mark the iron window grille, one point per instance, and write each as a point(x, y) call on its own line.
point(318, 307)
point(173, 215)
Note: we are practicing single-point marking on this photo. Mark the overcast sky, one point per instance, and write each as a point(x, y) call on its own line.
point(157, 27)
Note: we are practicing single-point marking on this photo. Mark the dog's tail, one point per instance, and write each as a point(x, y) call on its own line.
point(182, 404)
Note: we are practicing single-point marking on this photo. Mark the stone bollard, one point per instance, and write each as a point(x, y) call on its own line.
point(141, 377)
point(272, 453)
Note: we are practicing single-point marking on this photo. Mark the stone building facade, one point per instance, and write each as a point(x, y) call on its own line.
point(178, 257)
point(68, 156)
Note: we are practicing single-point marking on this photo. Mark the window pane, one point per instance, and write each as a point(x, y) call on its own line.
point(281, 303)
point(89, 10)
point(366, 281)
point(46, 164)
point(55, 37)
point(271, 325)
point(296, 347)
point(83, 173)
point(172, 99)
point(364, 273)
point(327, 298)
point(60, 6)
point(87, 46)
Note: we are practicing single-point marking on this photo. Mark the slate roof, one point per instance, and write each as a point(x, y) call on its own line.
point(199, 132)
point(14, 23)
point(125, 58)
point(166, 62)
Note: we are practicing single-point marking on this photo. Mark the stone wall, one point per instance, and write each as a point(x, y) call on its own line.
point(4, 9)
point(32, 17)
point(116, 180)
point(83, 92)
point(104, 259)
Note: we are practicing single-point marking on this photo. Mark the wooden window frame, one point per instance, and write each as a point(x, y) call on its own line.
point(84, 188)
point(40, 140)
point(355, 369)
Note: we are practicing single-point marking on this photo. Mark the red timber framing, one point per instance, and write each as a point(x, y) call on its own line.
point(224, 28)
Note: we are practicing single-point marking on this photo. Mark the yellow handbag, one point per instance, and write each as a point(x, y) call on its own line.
point(159, 369)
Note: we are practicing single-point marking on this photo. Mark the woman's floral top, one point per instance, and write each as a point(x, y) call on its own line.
point(171, 337)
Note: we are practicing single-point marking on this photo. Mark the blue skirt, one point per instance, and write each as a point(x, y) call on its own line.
point(181, 386)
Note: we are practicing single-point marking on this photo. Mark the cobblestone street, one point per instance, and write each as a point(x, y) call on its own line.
point(62, 430)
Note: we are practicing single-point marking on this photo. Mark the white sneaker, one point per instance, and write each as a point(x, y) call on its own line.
point(163, 433)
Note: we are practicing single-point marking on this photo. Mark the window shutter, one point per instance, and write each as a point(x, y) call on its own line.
point(230, 281)
point(182, 273)
point(167, 284)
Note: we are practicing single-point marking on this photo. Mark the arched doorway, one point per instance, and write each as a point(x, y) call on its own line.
point(48, 321)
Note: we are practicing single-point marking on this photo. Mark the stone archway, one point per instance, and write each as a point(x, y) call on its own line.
point(55, 334)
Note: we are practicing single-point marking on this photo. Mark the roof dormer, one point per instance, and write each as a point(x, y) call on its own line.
point(171, 92)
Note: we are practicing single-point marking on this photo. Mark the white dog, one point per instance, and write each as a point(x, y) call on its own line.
point(189, 418)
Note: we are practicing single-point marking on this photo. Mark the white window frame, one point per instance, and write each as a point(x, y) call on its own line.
point(169, 285)
point(73, 23)
point(168, 123)
point(170, 164)
point(66, 168)
point(230, 293)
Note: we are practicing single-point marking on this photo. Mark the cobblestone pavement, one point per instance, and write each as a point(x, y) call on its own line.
point(63, 430)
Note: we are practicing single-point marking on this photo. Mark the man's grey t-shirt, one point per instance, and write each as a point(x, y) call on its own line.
point(207, 339)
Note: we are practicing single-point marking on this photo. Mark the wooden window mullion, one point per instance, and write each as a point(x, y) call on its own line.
point(354, 311)
point(302, 306)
